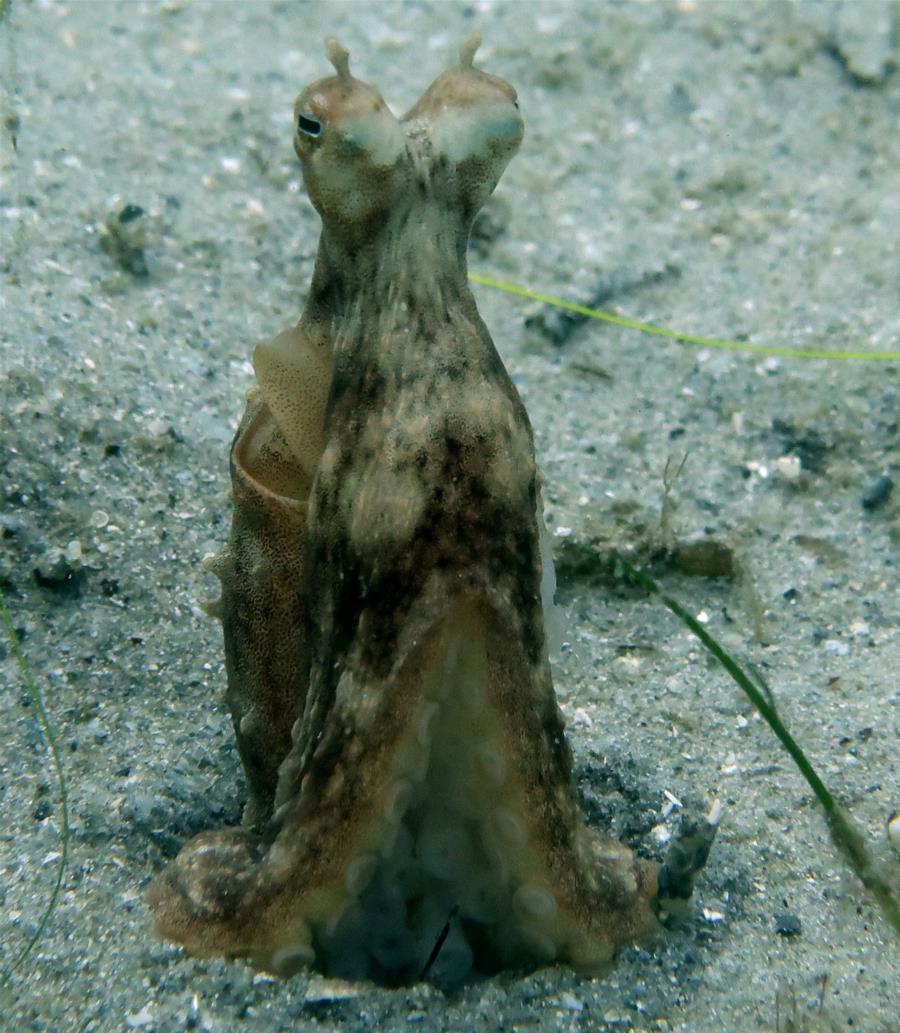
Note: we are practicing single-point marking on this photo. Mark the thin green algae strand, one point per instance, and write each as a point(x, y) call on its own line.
point(675, 335)
point(37, 700)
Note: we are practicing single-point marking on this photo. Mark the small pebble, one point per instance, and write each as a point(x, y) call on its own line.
point(787, 924)
point(893, 831)
point(789, 467)
point(571, 1003)
point(878, 494)
point(322, 990)
point(58, 567)
point(139, 1019)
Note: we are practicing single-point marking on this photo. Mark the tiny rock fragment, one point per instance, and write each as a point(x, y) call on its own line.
point(571, 1003)
point(878, 494)
point(787, 925)
point(60, 567)
point(893, 831)
point(789, 467)
point(139, 1019)
point(713, 915)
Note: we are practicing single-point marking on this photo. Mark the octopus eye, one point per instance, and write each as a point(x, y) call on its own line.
point(309, 126)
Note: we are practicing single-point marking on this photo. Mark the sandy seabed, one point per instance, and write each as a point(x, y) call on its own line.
point(727, 169)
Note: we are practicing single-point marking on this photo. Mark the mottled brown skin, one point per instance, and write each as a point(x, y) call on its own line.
point(384, 571)
point(265, 686)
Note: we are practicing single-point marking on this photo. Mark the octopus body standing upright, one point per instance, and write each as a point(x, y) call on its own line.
point(382, 598)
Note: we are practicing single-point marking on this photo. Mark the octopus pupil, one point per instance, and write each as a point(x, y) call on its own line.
point(309, 126)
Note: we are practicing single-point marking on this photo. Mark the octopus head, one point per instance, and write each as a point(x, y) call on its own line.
point(350, 145)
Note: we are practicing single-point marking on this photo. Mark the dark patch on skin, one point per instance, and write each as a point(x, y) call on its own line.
point(467, 528)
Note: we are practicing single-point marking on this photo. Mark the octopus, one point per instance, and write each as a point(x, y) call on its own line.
point(412, 810)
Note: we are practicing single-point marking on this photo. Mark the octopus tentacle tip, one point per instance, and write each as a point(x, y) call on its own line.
point(467, 49)
point(339, 56)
